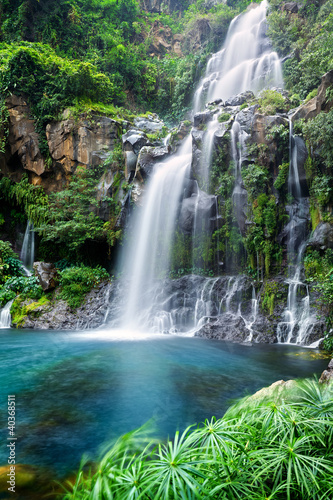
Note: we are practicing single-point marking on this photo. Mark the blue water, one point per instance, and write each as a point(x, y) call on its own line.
point(76, 391)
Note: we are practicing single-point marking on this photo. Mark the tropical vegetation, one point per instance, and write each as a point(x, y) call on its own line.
point(274, 447)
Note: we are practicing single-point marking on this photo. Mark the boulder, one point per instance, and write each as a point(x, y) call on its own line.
point(327, 375)
point(202, 118)
point(150, 124)
point(322, 236)
point(134, 140)
point(47, 275)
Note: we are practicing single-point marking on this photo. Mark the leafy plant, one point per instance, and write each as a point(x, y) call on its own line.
point(77, 281)
point(278, 447)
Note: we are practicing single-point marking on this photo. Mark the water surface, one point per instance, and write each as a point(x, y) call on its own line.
point(77, 390)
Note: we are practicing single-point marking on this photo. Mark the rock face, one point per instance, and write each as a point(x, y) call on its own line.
point(23, 138)
point(72, 144)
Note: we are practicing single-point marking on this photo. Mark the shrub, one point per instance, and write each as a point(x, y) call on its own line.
point(77, 281)
point(223, 117)
point(271, 102)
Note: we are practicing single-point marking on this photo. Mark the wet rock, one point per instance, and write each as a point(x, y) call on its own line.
point(226, 327)
point(197, 208)
point(57, 315)
point(130, 164)
point(239, 99)
point(148, 158)
point(47, 275)
point(240, 204)
point(202, 118)
point(322, 237)
point(245, 118)
point(197, 136)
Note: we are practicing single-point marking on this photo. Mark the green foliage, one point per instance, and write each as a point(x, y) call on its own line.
point(281, 180)
point(223, 117)
point(318, 267)
point(322, 189)
point(255, 179)
point(32, 199)
point(308, 37)
point(311, 95)
point(318, 132)
point(27, 286)
point(4, 115)
point(271, 101)
point(73, 215)
point(10, 266)
point(271, 292)
point(77, 281)
point(274, 447)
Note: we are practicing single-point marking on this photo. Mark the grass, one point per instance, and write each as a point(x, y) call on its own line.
point(279, 447)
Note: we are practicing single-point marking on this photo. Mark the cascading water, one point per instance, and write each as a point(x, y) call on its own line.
point(148, 255)
point(28, 248)
point(5, 317)
point(298, 321)
point(246, 62)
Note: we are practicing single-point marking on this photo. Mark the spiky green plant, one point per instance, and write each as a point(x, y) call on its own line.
point(275, 448)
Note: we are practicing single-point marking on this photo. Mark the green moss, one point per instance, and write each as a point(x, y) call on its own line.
point(315, 216)
point(20, 310)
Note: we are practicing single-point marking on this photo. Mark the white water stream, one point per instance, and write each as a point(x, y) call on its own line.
point(5, 317)
point(298, 319)
point(28, 248)
point(245, 62)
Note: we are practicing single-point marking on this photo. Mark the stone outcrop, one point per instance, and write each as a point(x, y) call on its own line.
point(57, 315)
point(47, 275)
point(322, 237)
point(318, 103)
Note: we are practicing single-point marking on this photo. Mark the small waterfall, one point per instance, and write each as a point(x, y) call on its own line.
point(246, 62)
point(298, 321)
point(253, 316)
point(28, 248)
point(148, 254)
point(5, 317)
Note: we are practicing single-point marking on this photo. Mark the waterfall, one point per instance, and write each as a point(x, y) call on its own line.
point(28, 248)
point(5, 317)
point(298, 321)
point(148, 254)
point(246, 61)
